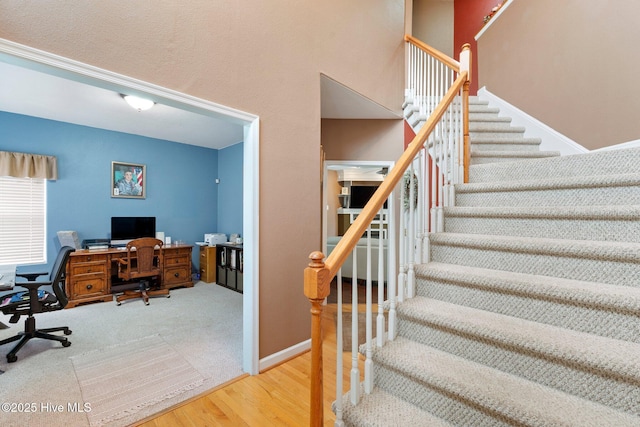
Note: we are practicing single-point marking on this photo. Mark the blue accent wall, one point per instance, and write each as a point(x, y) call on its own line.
point(180, 185)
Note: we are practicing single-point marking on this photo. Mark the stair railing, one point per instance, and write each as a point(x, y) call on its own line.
point(430, 166)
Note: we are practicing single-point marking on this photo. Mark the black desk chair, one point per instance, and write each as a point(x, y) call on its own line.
point(35, 300)
point(142, 262)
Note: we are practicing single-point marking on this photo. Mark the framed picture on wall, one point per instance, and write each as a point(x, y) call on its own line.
point(128, 180)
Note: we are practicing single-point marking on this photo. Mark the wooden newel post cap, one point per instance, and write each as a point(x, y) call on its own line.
point(316, 285)
point(317, 259)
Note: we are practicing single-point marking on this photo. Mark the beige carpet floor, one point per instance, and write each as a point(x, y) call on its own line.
point(200, 326)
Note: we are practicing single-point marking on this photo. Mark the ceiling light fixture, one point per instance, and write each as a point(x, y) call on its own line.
point(139, 104)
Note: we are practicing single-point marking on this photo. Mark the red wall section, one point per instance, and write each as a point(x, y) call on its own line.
point(468, 19)
point(409, 134)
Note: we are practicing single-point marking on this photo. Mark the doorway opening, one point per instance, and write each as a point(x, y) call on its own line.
point(339, 209)
point(81, 73)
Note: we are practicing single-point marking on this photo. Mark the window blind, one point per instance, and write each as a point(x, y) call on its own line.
point(22, 220)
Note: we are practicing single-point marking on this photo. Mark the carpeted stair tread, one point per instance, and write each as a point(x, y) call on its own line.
point(616, 263)
point(489, 142)
point(617, 251)
point(495, 126)
point(599, 222)
point(486, 116)
point(621, 189)
point(482, 109)
point(489, 139)
point(586, 351)
point(618, 180)
point(521, 401)
point(514, 155)
point(610, 162)
point(382, 409)
point(597, 295)
point(476, 100)
point(598, 308)
point(623, 212)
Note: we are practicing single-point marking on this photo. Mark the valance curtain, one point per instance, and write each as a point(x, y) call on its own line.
point(25, 165)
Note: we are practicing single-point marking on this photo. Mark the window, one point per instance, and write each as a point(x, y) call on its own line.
point(22, 220)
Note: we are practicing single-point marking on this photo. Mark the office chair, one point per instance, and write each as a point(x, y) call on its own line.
point(35, 300)
point(142, 262)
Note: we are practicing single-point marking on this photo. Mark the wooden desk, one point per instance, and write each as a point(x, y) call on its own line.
point(92, 274)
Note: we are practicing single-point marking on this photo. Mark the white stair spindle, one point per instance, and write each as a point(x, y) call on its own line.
point(380, 332)
point(368, 363)
point(339, 349)
point(434, 192)
point(402, 253)
point(392, 241)
point(412, 231)
point(355, 369)
point(419, 209)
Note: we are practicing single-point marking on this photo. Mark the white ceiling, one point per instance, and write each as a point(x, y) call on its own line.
point(34, 93)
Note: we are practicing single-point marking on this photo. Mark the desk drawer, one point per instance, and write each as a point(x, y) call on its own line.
point(80, 259)
point(173, 276)
point(88, 267)
point(172, 251)
point(172, 261)
point(208, 275)
point(88, 285)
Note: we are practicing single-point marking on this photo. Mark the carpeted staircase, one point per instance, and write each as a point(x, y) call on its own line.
point(529, 312)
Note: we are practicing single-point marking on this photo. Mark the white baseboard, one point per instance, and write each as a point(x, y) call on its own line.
point(552, 140)
point(284, 355)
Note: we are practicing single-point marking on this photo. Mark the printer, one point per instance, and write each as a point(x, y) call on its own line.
point(212, 239)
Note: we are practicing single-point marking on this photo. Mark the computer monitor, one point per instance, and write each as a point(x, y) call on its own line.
point(126, 228)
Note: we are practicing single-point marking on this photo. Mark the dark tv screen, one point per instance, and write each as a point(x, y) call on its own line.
point(132, 227)
point(360, 195)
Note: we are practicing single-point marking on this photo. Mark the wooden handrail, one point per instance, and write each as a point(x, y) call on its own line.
point(449, 62)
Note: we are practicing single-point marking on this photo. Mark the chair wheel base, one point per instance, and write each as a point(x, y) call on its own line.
point(11, 358)
point(66, 343)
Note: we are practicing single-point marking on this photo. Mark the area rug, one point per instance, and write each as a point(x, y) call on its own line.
point(123, 379)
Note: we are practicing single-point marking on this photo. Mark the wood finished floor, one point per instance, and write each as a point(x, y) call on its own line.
point(276, 397)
